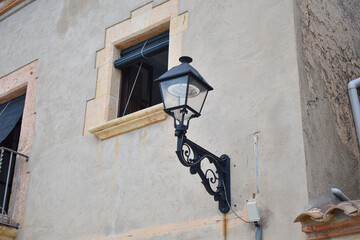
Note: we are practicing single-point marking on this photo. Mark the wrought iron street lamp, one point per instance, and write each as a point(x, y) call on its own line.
point(183, 91)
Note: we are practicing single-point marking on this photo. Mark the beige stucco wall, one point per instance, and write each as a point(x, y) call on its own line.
point(132, 186)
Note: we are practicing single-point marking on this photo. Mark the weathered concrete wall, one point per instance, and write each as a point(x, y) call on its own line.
point(328, 45)
point(132, 186)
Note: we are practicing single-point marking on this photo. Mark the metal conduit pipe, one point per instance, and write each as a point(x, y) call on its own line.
point(355, 104)
point(338, 193)
point(258, 231)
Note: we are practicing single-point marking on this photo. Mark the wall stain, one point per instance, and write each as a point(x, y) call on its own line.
point(144, 137)
point(224, 227)
point(71, 13)
point(216, 222)
point(116, 146)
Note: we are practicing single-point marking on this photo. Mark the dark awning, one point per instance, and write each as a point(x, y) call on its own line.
point(10, 113)
point(137, 52)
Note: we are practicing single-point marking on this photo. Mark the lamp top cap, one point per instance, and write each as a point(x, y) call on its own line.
point(185, 59)
point(182, 70)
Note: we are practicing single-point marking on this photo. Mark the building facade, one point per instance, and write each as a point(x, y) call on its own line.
point(279, 109)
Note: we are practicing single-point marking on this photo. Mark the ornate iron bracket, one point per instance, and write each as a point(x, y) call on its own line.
point(216, 183)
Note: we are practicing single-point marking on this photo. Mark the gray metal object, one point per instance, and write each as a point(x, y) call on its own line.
point(253, 211)
point(139, 52)
point(258, 231)
point(355, 104)
point(338, 193)
point(7, 214)
point(254, 216)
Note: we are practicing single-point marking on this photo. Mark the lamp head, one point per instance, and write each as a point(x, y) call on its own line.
point(183, 91)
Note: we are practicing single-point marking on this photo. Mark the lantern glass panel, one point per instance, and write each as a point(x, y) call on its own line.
point(196, 95)
point(174, 92)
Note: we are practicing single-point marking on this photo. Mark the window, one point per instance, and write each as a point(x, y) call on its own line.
point(10, 125)
point(18, 87)
point(102, 111)
point(140, 65)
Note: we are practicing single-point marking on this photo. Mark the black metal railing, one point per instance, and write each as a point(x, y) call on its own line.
point(10, 162)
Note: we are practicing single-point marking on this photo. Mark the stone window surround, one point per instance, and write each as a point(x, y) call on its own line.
point(9, 7)
point(6, 5)
point(12, 85)
point(144, 23)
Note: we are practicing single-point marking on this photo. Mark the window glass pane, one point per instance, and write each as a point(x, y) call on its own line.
point(174, 92)
point(159, 62)
point(145, 92)
point(128, 76)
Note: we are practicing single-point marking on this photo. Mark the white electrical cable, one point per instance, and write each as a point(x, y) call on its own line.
point(227, 201)
point(137, 75)
point(132, 89)
point(256, 161)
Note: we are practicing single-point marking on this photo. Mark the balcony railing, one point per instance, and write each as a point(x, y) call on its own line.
point(10, 162)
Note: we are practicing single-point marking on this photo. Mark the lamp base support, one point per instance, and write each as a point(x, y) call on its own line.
point(224, 205)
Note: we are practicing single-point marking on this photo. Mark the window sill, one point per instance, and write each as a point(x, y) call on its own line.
point(8, 232)
point(129, 122)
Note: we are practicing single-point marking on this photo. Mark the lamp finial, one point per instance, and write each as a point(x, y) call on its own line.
point(185, 59)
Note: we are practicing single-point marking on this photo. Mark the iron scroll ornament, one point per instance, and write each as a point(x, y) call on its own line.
point(191, 155)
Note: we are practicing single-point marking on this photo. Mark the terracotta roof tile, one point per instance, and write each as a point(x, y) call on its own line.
point(326, 213)
point(328, 221)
